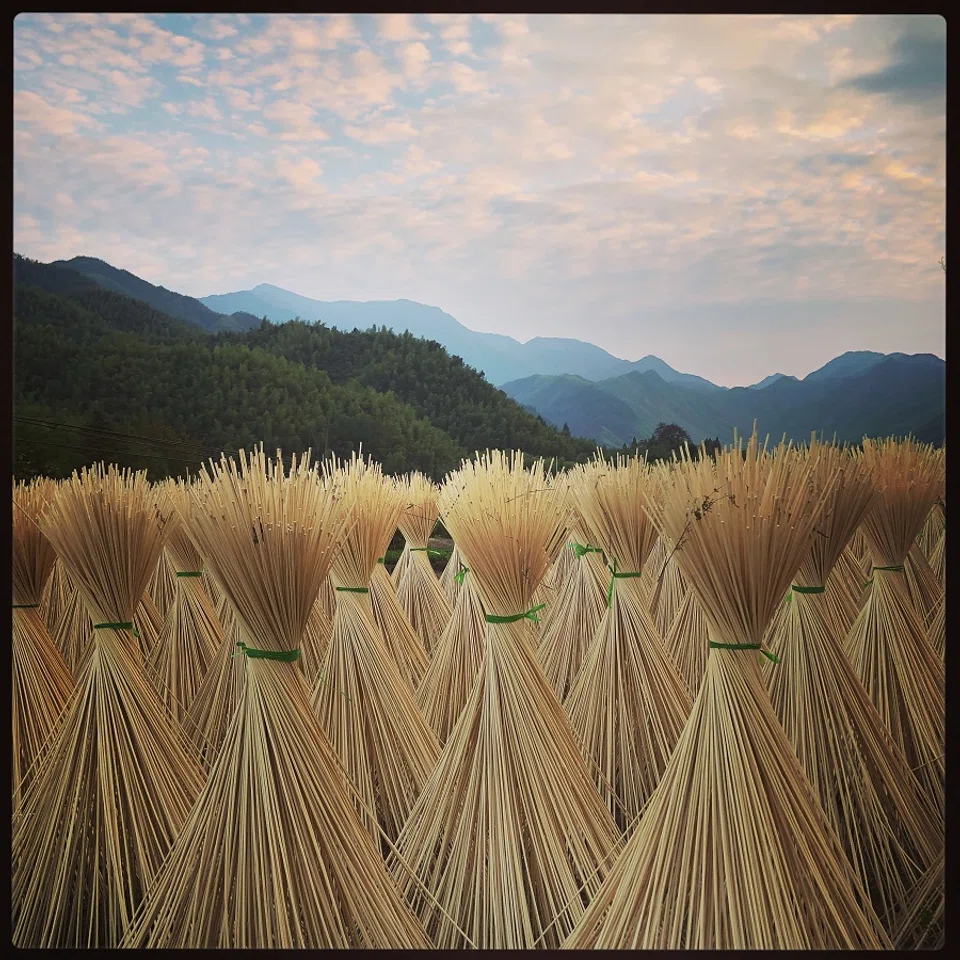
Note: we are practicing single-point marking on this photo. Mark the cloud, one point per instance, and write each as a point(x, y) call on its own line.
point(295, 119)
point(397, 28)
point(415, 58)
point(917, 69)
point(390, 131)
point(32, 110)
point(680, 180)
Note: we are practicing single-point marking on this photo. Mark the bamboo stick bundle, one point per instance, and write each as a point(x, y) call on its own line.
point(688, 641)
point(509, 834)
point(328, 597)
point(73, 632)
point(933, 527)
point(162, 587)
point(858, 547)
point(191, 633)
point(316, 636)
point(887, 644)
point(149, 622)
point(578, 610)
point(923, 585)
point(400, 567)
point(733, 851)
point(937, 628)
point(214, 592)
point(209, 715)
point(365, 705)
point(456, 662)
point(870, 796)
point(938, 560)
point(418, 590)
point(659, 552)
point(667, 593)
point(56, 593)
point(117, 781)
point(921, 925)
point(399, 638)
point(563, 567)
point(628, 702)
point(42, 681)
point(273, 855)
point(845, 594)
point(448, 579)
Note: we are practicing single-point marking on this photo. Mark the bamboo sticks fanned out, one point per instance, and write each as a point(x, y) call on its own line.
point(364, 703)
point(862, 780)
point(117, 780)
point(273, 855)
point(509, 834)
point(733, 850)
point(42, 681)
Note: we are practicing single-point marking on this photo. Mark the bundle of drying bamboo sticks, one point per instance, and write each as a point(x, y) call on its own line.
point(232, 728)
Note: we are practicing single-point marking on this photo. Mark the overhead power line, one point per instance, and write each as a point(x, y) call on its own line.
point(110, 453)
point(103, 433)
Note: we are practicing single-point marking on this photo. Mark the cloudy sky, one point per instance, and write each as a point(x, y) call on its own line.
point(736, 194)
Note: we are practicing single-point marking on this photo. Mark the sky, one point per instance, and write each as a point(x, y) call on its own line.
point(738, 195)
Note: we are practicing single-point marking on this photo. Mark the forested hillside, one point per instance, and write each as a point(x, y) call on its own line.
point(93, 368)
point(440, 388)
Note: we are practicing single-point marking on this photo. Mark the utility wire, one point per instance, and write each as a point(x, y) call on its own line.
point(110, 453)
point(103, 433)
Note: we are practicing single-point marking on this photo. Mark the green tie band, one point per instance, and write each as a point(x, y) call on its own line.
point(436, 553)
point(529, 615)
point(745, 646)
point(287, 656)
point(353, 589)
point(581, 549)
point(117, 626)
point(189, 573)
point(795, 589)
point(621, 575)
point(459, 575)
point(382, 560)
point(25, 606)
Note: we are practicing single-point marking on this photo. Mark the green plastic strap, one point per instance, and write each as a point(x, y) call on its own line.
point(795, 589)
point(189, 573)
point(745, 646)
point(25, 606)
point(581, 549)
point(287, 656)
point(117, 626)
point(353, 589)
point(621, 575)
point(460, 573)
point(436, 553)
point(529, 615)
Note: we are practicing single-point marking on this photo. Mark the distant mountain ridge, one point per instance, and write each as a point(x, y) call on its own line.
point(597, 395)
point(895, 394)
point(171, 303)
point(501, 358)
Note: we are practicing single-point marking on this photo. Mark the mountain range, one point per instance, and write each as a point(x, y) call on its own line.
point(501, 358)
point(597, 395)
